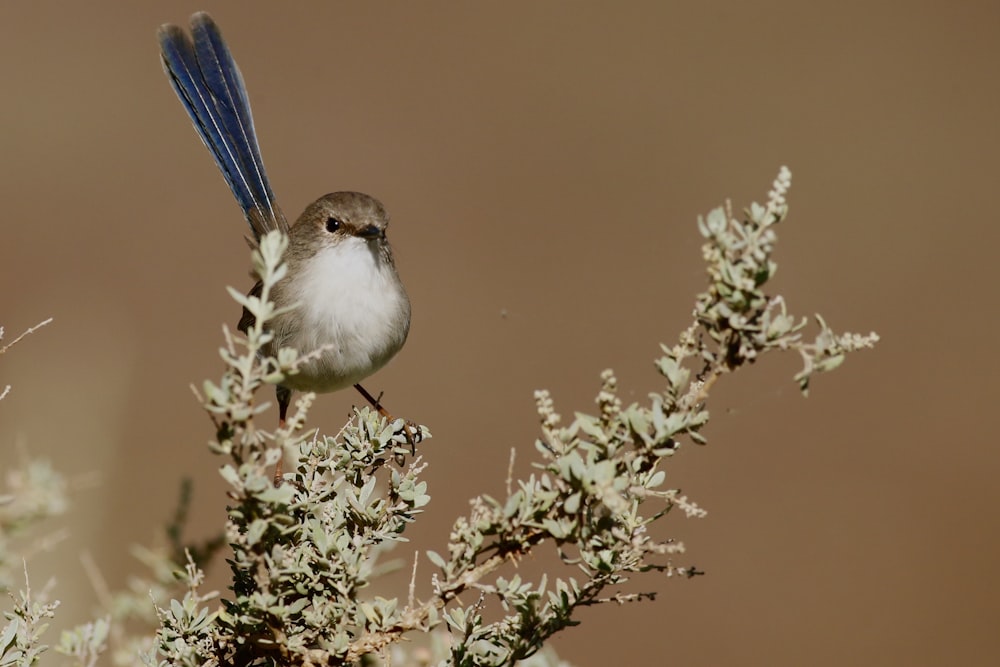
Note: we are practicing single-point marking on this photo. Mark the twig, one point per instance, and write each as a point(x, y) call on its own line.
point(29, 330)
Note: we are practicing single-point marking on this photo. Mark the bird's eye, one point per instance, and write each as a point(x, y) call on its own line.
point(332, 224)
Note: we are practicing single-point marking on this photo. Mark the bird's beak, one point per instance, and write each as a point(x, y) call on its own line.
point(370, 232)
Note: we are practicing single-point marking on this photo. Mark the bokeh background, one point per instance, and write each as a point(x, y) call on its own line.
point(544, 164)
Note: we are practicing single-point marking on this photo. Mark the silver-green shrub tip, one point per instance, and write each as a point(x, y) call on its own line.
point(305, 550)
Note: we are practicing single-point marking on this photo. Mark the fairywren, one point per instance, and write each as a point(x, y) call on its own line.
point(349, 302)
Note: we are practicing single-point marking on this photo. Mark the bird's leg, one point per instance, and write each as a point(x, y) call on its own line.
point(375, 403)
point(284, 398)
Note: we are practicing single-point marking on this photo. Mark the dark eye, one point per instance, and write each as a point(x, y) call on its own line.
point(332, 224)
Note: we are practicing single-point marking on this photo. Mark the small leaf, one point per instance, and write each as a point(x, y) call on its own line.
point(277, 495)
point(572, 504)
point(242, 299)
point(7, 636)
point(256, 531)
point(229, 474)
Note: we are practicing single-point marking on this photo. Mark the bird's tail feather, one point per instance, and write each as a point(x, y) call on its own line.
point(208, 83)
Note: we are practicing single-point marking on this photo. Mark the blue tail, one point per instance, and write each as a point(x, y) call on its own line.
point(208, 83)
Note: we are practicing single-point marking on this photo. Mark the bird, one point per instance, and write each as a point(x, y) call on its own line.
point(348, 311)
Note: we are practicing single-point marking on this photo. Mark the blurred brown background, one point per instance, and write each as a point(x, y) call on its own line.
point(544, 164)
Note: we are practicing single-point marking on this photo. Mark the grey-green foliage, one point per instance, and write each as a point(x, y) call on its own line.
point(306, 549)
point(33, 493)
point(86, 643)
point(21, 637)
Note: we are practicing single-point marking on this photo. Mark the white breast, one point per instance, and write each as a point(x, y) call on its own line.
point(351, 300)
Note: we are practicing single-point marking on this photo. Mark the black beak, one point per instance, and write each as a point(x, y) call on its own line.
point(370, 232)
